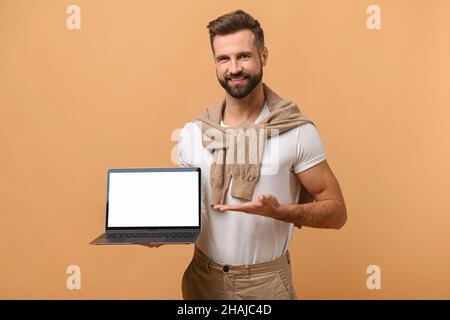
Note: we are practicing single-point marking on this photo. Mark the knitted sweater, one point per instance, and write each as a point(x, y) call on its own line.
point(237, 152)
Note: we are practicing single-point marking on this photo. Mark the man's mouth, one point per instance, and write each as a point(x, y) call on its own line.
point(238, 80)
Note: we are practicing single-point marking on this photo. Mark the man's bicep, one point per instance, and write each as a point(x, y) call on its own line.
point(321, 183)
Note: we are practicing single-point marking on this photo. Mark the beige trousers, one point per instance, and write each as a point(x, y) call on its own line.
point(205, 279)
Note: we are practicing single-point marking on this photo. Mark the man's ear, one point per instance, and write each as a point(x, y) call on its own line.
point(265, 56)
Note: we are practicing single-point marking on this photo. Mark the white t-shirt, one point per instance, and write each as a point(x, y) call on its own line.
point(233, 237)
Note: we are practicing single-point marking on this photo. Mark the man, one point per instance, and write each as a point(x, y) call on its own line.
point(250, 208)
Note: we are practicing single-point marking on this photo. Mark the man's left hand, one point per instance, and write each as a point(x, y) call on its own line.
point(265, 205)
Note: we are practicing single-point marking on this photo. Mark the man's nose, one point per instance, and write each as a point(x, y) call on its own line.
point(235, 67)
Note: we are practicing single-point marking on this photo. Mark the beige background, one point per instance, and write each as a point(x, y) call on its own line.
point(74, 103)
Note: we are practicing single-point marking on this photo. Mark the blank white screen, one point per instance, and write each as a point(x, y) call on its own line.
point(153, 199)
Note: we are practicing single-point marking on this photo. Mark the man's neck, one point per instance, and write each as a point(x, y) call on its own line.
point(243, 111)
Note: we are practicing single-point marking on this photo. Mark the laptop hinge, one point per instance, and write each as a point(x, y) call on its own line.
point(150, 230)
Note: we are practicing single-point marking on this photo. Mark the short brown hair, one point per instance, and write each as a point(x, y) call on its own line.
point(233, 22)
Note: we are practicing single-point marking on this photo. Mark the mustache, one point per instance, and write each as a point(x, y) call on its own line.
point(237, 76)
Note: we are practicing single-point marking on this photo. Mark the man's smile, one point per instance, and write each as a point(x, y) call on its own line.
point(237, 81)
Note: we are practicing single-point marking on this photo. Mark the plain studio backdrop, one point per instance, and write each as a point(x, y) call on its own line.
point(111, 94)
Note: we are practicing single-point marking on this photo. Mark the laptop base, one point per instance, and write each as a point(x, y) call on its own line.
point(103, 240)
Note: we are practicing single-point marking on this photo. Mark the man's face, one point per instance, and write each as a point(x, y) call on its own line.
point(239, 67)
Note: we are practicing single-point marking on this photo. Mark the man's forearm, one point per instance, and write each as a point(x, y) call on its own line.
point(319, 214)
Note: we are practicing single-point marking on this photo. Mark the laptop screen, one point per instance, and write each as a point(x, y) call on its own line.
point(153, 199)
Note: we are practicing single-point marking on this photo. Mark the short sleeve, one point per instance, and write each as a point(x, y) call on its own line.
point(184, 147)
point(310, 150)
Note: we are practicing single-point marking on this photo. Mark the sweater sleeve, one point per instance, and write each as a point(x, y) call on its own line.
point(310, 150)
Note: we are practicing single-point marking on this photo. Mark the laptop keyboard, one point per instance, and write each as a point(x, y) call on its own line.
point(152, 235)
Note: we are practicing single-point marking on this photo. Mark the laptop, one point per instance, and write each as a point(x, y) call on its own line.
point(152, 206)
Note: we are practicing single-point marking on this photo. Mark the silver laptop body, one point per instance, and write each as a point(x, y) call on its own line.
point(152, 206)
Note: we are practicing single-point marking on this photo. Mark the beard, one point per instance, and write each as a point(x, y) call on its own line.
point(241, 91)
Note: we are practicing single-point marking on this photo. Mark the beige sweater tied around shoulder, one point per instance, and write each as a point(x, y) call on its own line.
point(237, 152)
